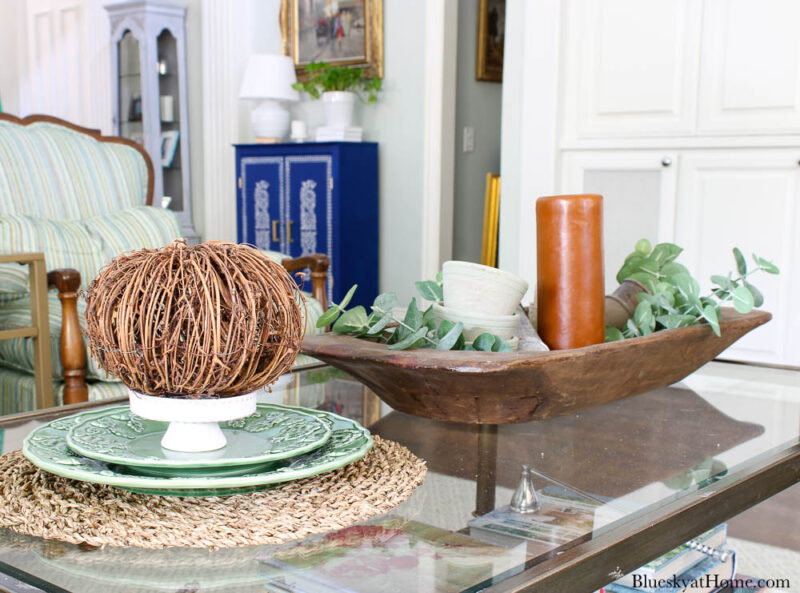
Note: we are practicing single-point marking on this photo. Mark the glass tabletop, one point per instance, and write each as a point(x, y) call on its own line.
point(618, 485)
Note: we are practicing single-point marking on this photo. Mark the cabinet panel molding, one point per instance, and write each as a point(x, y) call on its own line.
point(750, 79)
point(747, 199)
point(632, 68)
point(638, 189)
point(316, 197)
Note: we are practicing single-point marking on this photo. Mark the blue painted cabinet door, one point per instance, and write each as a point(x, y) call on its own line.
point(309, 195)
point(262, 206)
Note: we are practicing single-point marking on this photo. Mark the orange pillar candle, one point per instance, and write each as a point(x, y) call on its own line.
point(569, 251)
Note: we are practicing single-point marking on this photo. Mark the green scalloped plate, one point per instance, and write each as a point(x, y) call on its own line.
point(272, 433)
point(46, 447)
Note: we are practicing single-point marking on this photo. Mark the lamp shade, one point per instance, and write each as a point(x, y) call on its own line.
point(269, 77)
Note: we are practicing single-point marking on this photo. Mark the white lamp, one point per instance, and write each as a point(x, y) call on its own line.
point(269, 78)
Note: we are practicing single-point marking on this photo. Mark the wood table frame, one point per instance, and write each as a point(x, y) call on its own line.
point(40, 325)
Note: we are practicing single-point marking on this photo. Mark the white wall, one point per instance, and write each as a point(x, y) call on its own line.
point(396, 123)
point(530, 98)
point(11, 40)
point(478, 105)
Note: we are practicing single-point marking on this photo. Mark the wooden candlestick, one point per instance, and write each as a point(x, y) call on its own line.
point(569, 240)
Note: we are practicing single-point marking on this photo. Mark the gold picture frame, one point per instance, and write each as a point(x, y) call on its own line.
point(491, 38)
point(330, 26)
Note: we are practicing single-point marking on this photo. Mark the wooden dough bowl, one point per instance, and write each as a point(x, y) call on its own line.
point(506, 388)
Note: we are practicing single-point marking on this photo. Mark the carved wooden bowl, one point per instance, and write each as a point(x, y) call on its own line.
point(506, 388)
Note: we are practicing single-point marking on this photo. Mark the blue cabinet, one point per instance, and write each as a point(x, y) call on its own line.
point(319, 197)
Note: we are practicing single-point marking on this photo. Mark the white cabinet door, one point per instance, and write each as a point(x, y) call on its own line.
point(750, 79)
point(638, 189)
point(746, 199)
point(631, 68)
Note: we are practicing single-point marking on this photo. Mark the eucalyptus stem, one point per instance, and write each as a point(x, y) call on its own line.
point(405, 325)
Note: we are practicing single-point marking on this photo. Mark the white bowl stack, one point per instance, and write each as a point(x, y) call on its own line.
point(484, 299)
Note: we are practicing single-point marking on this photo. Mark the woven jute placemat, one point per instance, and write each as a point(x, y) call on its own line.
point(35, 502)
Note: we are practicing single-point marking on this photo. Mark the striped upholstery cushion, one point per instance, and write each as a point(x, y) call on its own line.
point(65, 243)
point(19, 392)
point(141, 227)
point(54, 172)
point(17, 353)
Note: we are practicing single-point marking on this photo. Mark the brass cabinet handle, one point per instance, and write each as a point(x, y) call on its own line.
point(289, 231)
point(275, 237)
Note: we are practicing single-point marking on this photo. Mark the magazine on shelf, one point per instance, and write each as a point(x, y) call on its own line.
point(679, 559)
point(564, 517)
point(388, 555)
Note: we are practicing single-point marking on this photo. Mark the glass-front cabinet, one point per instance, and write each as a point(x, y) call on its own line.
point(150, 98)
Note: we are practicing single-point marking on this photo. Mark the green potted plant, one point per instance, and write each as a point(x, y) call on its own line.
point(338, 87)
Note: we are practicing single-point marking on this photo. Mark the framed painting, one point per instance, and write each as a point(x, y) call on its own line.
point(491, 37)
point(343, 32)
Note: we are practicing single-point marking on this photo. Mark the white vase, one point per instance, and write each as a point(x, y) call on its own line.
point(481, 290)
point(338, 106)
point(192, 422)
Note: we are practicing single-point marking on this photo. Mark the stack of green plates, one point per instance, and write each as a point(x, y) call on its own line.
point(275, 444)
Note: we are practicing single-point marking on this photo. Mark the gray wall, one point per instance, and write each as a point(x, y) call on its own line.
point(478, 105)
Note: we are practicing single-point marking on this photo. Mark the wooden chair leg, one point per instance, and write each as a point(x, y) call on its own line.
point(73, 354)
point(42, 364)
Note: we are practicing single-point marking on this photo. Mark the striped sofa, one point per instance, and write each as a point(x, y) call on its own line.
point(82, 199)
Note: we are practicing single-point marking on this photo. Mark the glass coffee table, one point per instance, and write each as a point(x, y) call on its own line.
point(646, 474)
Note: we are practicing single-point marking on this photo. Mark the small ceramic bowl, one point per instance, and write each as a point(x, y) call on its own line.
point(475, 325)
point(481, 290)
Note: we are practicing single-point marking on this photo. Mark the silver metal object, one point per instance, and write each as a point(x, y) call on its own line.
point(525, 499)
point(666, 161)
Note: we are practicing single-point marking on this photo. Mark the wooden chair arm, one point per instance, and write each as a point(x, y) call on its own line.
point(318, 264)
point(73, 353)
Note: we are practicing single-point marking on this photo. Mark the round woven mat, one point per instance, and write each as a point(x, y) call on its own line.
point(35, 502)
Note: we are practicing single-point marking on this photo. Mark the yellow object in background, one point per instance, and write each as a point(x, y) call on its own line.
point(491, 220)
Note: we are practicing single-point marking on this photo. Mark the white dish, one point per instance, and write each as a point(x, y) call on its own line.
point(481, 290)
point(475, 325)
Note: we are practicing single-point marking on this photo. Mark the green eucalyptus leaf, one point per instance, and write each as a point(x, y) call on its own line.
point(379, 325)
point(674, 320)
point(484, 342)
point(643, 246)
point(409, 340)
point(672, 268)
point(758, 298)
point(449, 339)
point(413, 318)
point(348, 296)
point(429, 319)
point(430, 290)
point(351, 321)
point(439, 277)
point(633, 331)
point(329, 316)
point(743, 300)
point(711, 314)
point(723, 282)
point(643, 318)
point(613, 334)
point(664, 253)
point(766, 265)
point(741, 264)
point(500, 345)
point(384, 302)
point(645, 279)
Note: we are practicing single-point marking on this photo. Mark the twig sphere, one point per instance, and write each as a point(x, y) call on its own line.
point(215, 319)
